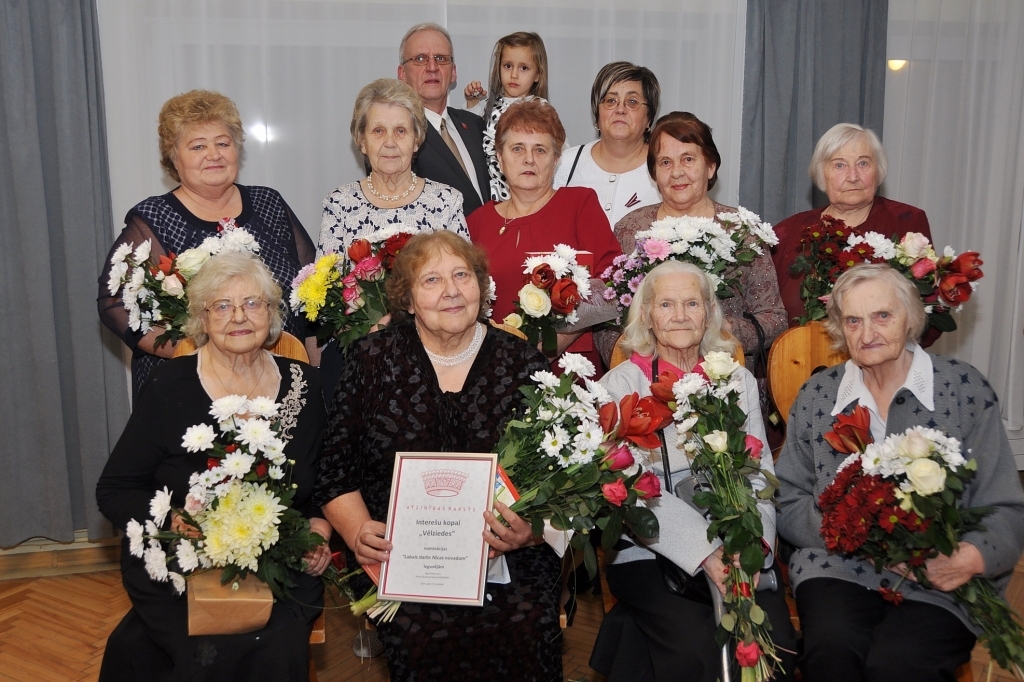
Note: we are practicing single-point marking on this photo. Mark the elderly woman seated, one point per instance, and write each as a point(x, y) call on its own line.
point(850, 631)
point(439, 379)
point(236, 312)
point(653, 633)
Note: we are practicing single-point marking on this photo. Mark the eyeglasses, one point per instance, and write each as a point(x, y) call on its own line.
point(613, 103)
point(254, 308)
point(423, 59)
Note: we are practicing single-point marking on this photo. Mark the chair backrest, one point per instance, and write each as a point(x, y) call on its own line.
point(619, 355)
point(793, 357)
point(287, 346)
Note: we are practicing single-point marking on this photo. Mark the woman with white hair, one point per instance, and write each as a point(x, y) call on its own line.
point(656, 632)
point(848, 165)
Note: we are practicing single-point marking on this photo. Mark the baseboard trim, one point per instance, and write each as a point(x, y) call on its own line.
point(40, 557)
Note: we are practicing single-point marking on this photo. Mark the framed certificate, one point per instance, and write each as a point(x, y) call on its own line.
point(436, 524)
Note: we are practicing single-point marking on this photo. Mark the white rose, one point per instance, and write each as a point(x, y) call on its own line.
point(914, 246)
point(718, 441)
point(514, 320)
point(534, 301)
point(189, 262)
point(719, 365)
point(173, 286)
point(914, 446)
point(926, 476)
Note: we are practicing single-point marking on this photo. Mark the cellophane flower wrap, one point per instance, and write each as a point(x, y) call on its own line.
point(240, 507)
point(567, 452)
point(154, 293)
point(899, 502)
point(345, 293)
point(727, 462)
point(830, 247)
point(719, 247)
point(557, 285)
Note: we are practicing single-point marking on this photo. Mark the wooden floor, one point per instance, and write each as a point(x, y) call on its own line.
point(55, 629)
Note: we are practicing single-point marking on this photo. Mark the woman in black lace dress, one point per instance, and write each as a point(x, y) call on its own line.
point(441, 380)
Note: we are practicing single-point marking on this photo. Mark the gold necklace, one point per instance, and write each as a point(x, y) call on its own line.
point(263, 368)
point(508, 220)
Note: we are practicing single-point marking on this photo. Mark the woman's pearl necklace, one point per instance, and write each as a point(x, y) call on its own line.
point(384, 197)
point(469, 353)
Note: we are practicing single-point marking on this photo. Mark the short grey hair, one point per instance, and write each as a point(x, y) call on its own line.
point(214, 276)
point(638, 335)
point(906, 293)
point(426, 26)
point(387, 91)
point(834, 139)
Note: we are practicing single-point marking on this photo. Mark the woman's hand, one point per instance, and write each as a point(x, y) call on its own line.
point(715, 569)
point(564, 341)
point(317, 560)
point(474, 92)
point(371, 547)
point(383, 323)
point(180, 525)
point(148, 344)
point(947, 573)
point(505, 538)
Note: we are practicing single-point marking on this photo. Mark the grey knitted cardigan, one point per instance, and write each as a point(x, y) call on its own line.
point(966, 408)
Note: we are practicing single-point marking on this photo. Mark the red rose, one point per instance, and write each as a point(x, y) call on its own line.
point(261, 469)
point(647, 485)
point(968, 264)
point(230, 448)
point(615, 493)
point(565, 297)
point(748, 654)
point(662, 386)
point(850, 433)
point(392, 246)
point(753, 445)
point(922, 267)
point(543, 277)
point(619, 458)
point(212, 462)
point(955, 288)
point(338, 560)
point(741, 589)
point(359, 250)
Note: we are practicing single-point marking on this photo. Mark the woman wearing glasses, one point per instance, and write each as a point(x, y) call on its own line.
point(624, 102)
point(235, 313)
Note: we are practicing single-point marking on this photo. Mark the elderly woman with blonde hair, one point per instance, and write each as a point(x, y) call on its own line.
point(201, 140)
point(850, 631)
point(655, 631)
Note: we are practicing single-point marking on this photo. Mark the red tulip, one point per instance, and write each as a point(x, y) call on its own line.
point(359, 250)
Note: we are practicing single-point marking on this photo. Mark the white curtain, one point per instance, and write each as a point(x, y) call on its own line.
point(293, 67)
point(954, 133)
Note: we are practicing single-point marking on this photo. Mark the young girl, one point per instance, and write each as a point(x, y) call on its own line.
point(519, 68)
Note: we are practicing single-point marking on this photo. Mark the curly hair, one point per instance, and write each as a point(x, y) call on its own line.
point(191, 108)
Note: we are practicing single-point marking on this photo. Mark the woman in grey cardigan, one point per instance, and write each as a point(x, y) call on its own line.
point(653, 633)
point(850, 631)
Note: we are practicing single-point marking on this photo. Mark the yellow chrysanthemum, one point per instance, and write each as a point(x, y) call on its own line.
point(313, 291)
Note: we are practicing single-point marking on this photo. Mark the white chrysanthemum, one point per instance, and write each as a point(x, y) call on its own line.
point(211, 245)
point(589, 438)
point(238, 240)
point(560, 404)
point(275, 473)
point(687, 423)
point(948, 252)
point(583, 411)
point(120, 253)
point(136, 542)
point(228, 406)
point(600, 393)
point(188, 560)
point(262, 508)
point(546, 414)
point(572, 318)
point(882, 245)
point(142, 252)
point(198, 438)
point(566, 252)
point(577, 364)
point(554, 440)
point(261, 406)
point(545, 379)
point(237, 464)
point(690, 384)
point(558, 264)
point(160, 506)
point(151, 528)
point(156, 561)
point(117, 273)
point(256, 433)
point(210, 477)
point(583, 394)
point(178, 581)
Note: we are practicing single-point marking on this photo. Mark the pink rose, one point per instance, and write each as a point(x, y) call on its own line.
point(747, 654)
point(657, 249)
point(349, 281)
point(354, 298)
point(647, 485)
point(619, 458)
point(922, 267)
point(753, 445)
point(615, 493)
point(369, 269)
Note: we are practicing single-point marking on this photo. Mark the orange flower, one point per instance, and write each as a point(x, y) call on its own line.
point(641, 418)
point(565, 297)
point(850, 432)
point(543, 277)
point(166, 264)
point(359, 250)
point(969, 265)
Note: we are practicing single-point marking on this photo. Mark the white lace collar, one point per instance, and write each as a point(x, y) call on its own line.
point(920, 381)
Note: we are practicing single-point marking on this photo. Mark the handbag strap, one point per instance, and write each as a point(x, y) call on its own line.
point(760, 368)
point(666, 469)
point(574, 162)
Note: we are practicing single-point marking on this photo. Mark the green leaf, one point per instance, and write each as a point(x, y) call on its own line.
point(756, 614)
point(728, 621)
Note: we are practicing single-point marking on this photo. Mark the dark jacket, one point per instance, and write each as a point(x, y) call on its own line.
point(436, 162)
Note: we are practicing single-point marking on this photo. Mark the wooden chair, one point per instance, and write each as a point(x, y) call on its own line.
point(287, 346)
point(317, 636)
point(619, 355)
point(794, 356)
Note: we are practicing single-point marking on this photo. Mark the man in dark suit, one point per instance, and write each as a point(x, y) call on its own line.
point(453, 152)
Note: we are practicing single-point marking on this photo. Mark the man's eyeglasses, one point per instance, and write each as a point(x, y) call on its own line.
point(254, 308)
point(613, 103)
point(423, 59)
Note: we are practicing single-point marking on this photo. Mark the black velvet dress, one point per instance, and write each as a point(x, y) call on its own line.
point(152, 641)
point(389, 401)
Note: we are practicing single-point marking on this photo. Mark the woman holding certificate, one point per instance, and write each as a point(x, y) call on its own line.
point(440, 380)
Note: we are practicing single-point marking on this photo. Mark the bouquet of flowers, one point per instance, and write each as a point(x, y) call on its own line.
point(724, 457)
point(830, 248)
point(898, 502)
point(239, 509)
point(154, 294)
point(346, 295)
point(716, 246)
point(568, 455)
point(557, 285)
